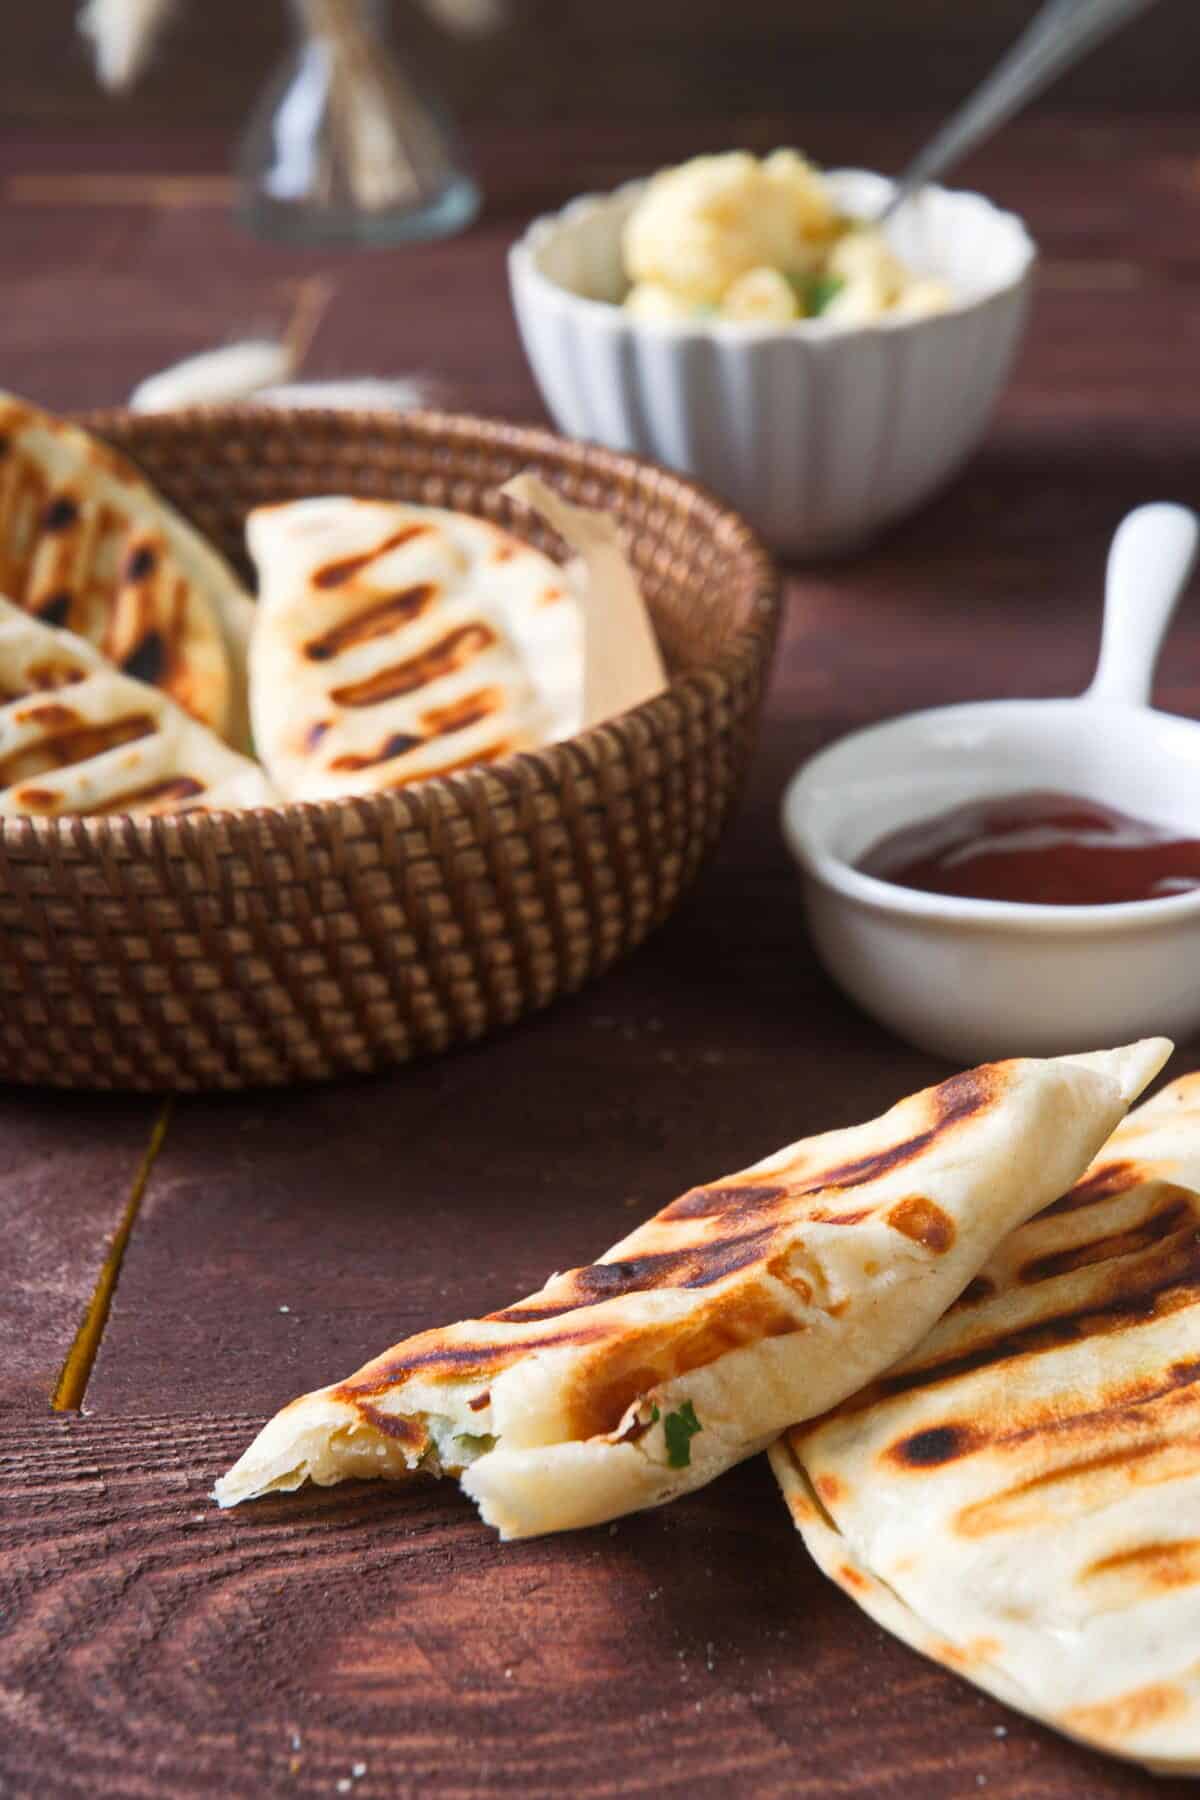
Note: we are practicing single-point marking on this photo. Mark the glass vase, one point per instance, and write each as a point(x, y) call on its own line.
point(347, 143)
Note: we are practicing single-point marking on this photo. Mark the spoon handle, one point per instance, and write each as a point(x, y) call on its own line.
point(1057, 36)
point(1148, 566)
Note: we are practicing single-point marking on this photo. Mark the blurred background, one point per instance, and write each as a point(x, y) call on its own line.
point(122, 252)
point(636, 60)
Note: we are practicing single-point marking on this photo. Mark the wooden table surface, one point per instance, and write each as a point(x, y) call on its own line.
point(379, 1641)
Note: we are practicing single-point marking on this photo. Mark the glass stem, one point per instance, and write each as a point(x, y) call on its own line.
point(346, 142)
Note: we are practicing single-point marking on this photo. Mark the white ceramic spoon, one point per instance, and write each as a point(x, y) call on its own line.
point(972, 979)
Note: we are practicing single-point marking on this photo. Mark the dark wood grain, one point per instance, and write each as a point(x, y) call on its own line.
point(67, 1176)
point(155, 1646)
point(624, 60)
point(1114, 202)
point(151, 1646)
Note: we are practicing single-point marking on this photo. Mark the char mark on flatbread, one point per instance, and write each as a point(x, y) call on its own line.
point(78, 736)
point(450, 654)
point(1172, 1214)
point(493, 754)
point(399, 744)
point(171, 795)
point(336, 574)
point(461, 714)
point(445, 721)
point(148, 660)
point(382, 624)
point(67, 742)
point(1159, 1277)
point(60, 513)
point(1019, 1498)
point(87, 545)
point(471, 1359)
point(1099, 1184)
point(964, 1096)
point(54, 608)
point(696, 1266)
point(977, 1290)
point(378, 619)
point(693, 1341)
point(1137, 1402)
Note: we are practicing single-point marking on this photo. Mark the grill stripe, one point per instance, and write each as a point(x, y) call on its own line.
point(64, 749)
point(378, 620)
point(335, 574)
point(1163, 1280)
point(446, 657)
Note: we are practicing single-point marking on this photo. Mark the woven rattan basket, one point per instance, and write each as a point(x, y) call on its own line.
point(301, 942)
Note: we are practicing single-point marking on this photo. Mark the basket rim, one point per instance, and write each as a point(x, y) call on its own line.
point(751, 643)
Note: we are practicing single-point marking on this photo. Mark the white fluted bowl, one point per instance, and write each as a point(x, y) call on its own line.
point(819, 433)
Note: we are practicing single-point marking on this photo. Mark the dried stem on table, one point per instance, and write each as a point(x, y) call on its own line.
point(124, 34)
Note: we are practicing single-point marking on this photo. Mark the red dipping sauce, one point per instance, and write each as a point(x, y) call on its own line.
point(1040, 848)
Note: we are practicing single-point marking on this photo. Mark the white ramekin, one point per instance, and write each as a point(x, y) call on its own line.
point(819, 433)
point(977, 979)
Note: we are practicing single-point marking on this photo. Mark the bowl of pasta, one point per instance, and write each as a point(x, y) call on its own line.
point(745, 322)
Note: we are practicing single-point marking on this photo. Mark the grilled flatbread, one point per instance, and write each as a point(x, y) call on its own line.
point(86, 544)
point(76, 736)
point(763, 1298)
point(397, 642)
point(1020, 1497)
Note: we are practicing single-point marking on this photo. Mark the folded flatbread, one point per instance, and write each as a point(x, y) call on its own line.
point(740, 1307)
point(76, 736)
point(1020, 1497)
point(396, 642)
point(87, 544)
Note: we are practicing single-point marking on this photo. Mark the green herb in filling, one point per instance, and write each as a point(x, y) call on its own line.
point(814, 291)
point(475, 1443)
point(679, 1428)
point(449, 1449)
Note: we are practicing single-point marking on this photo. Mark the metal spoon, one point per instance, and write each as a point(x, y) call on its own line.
point(1057, 37)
